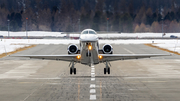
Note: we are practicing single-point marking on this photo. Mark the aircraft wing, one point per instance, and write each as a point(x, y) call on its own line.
point(114, 57)
point(52, 57)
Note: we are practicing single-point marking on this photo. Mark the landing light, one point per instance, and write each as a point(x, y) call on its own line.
point(78, 57)
point(100, 56)
point(90, 47)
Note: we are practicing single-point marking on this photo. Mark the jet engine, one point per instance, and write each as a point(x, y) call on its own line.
point(72, 49)
point(107, 49)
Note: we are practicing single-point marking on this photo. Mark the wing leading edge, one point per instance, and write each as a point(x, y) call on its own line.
point(115, 57)
point(52, 57)
point(106, 57)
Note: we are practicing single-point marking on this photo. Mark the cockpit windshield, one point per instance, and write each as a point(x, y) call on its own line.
point(85, 32)
point(88, 32)
point(92, 32)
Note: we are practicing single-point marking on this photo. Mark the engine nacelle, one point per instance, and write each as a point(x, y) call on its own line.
point(107, 49)
point(72, 49)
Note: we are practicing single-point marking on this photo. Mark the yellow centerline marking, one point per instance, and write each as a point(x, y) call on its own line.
point(78, 90)
point(153, 81)
point(26, 82)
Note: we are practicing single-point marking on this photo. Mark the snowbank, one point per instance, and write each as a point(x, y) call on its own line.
point(8, 45)
point(110, 35)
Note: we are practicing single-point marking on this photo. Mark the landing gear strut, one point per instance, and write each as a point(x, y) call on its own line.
point(107, 69)
point(72, 69)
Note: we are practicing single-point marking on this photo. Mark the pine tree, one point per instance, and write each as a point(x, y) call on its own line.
point(100, 5)
point(143, 28)
point(44, 20)
point(149, 15)
point(156, 28)
point(126, 23)
point(31, 18)
point(85, 18)
point(123, 6)
point(96, 21)
point(131, 8)
point(3, 18)
point(116, 22)
point(137, 29)
point(174, 27)
point(141, 16)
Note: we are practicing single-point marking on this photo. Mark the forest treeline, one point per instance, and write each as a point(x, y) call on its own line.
point(74, 15)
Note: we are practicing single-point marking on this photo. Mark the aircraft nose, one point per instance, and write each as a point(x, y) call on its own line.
point(89, 37)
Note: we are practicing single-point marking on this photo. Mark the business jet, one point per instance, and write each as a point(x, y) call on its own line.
point(90, 54)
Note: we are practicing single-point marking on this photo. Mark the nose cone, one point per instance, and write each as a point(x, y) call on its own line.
point(88, 37)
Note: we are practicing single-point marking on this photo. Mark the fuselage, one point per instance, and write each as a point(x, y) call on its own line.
point(89, 47)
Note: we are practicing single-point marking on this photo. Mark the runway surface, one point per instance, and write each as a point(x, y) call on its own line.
point(154, 79)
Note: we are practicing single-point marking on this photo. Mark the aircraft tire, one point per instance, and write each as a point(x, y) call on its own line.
point(104, 70)
point(108, 70)
point(70, 70)
point(74, 70)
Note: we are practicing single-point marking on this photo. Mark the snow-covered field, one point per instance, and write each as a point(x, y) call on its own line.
point(8, 45)
point(138, 35)
point(111, 35)
point(32, 33)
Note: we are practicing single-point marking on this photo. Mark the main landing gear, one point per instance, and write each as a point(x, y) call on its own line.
point(72, 69)
point(107, 69)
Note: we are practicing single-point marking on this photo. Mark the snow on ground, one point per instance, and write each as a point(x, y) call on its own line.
point(111, 35)
point(175, 47)
point(32, 33)
point(8, 45)
point(137, 35)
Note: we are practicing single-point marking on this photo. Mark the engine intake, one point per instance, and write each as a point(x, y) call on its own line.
point(107, 49)
point(72, 49)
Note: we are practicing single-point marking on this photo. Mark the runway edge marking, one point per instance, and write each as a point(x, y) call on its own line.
point(17, 50)
point(151, 45)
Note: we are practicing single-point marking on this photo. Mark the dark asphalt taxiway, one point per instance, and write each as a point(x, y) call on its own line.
point(152, 79)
